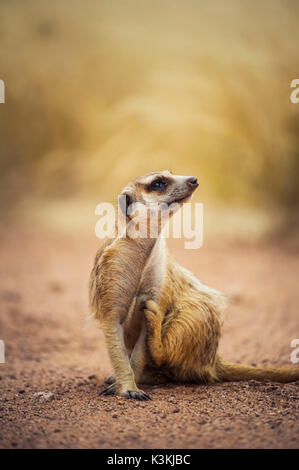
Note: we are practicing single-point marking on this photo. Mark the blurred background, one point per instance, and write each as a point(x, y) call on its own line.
point(99, 92)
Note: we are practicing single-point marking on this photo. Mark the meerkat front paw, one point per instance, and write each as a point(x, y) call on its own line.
point(131, 394)
point(152, 313)
point(150, 305)
point(136, 394)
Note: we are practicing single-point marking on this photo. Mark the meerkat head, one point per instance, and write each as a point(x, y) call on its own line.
point(159, 188)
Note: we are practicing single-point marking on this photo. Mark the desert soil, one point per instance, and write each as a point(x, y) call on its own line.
point(51, 349)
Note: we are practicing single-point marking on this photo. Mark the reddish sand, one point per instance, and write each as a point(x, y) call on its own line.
point(49, 348)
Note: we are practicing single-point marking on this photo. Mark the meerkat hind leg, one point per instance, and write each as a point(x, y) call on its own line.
point(169, 348)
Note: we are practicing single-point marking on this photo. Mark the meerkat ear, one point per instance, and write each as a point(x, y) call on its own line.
point(127, 198)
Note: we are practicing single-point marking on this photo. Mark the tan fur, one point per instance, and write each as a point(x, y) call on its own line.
point(158, 312)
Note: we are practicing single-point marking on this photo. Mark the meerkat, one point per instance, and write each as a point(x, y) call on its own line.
point(160, 322)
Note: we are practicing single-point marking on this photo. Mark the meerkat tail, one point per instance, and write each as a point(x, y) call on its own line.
point(228, 371)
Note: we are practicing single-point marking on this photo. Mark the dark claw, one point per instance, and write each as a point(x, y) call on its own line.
point(143, 304)
point(108, 391)
point(141, 396)
point(130, 394)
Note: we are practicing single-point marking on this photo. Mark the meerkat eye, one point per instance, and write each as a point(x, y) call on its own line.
point(158, 185)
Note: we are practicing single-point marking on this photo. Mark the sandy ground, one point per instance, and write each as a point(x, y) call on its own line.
point(49, 348)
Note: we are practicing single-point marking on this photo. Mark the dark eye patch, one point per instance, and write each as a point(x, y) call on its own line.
point(159, 184)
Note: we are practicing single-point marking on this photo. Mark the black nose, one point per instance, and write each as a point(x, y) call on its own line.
point(192, 181)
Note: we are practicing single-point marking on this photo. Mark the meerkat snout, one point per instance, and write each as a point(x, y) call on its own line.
point(181, 189)
point(192, 181)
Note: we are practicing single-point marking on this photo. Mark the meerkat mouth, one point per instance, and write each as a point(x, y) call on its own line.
point(181, 200)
